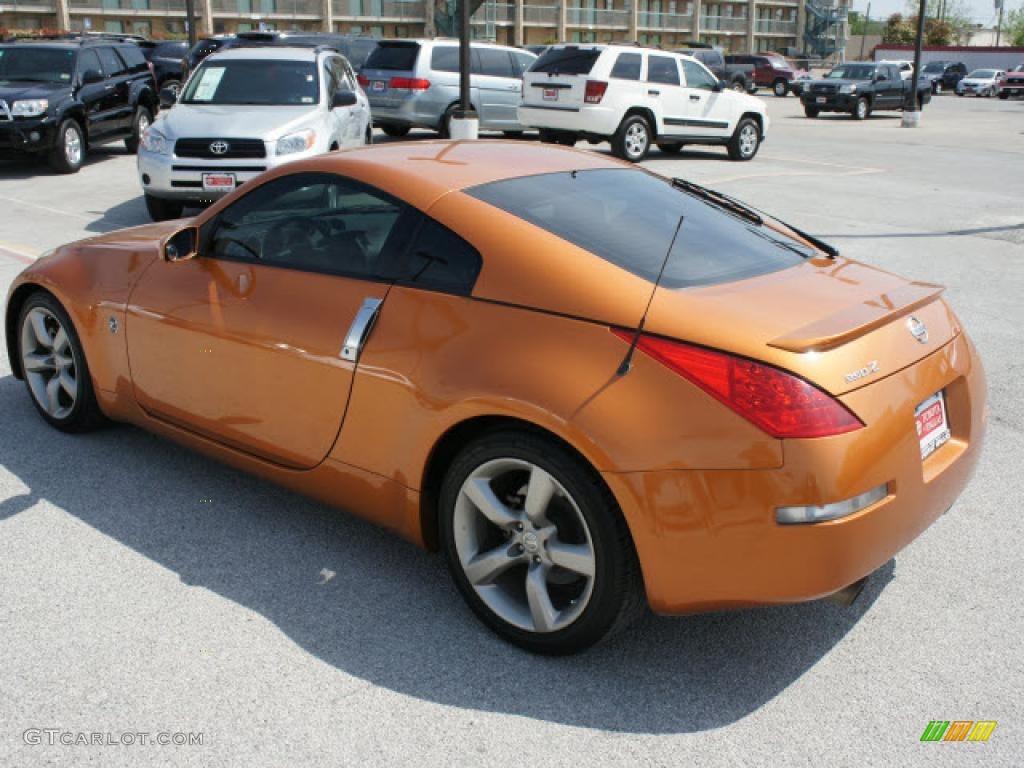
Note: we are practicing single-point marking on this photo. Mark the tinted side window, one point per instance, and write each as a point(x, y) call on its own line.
point(523, 62)
point(662, 69)
point(112, 65)
point(629, 217)
point(698, 77)
point(133, 57)
point(88, 60)
point(439, 260)
point(310, 221)
point(395, 56)
point(627, 66)
point(331, 77)
point(494, 62)
point(445, 58)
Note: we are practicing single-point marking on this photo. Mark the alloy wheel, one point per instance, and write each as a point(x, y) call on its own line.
point(143, 124)
point(72, 146)
point(48, 361)
point(524, 546)
point(748, 140)
point(636, 140)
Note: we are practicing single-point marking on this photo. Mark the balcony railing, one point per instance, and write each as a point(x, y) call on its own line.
point(792, 3)
point(723, 23)
point(27, 6)
point(266, 8)
point(406, 10)
point(670, 21)
point(774, 27)
point(494, 13)
point(542, 15)
point(128, 6)
point(596, 17)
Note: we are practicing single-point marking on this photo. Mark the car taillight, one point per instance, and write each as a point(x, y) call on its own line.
point(780, 403)
point(363, 80)
point(595, 91)
point(409, 83)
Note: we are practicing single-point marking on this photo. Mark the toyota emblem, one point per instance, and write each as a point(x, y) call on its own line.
point(918, 329)
point(219, 147)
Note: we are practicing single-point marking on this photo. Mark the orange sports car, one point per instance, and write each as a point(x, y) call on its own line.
point(592, 387)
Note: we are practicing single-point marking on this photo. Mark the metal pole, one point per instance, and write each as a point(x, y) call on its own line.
point(464, 63)
point(999, 24)
point(864, 31)
point(190, 14)
point(911, 103)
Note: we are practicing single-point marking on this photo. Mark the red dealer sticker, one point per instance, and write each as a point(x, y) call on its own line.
point(932, 424)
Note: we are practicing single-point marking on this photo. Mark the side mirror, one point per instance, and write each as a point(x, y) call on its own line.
point(182, 245)
point(167, 98)
point(343, 99)
point(720, 86)
point(91, 76)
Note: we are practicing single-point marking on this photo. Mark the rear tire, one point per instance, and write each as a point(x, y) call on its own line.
point(142, 120)
point(395, 131)
point(861, 109)
point(739, 86)
point(68, 151)
point(745, 141)
point(538, 599)
point(1003, 95)
point(632, 140)
point(163, 210)
point(780, 87)
point(811, 111)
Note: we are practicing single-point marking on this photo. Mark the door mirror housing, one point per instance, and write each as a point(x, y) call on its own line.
point(343, 99)
point(90, 76)
point(167, 98)
point(182, 245)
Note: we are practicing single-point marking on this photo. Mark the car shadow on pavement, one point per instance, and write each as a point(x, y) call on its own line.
point(130, 213)
point(31, 167)
point(379, 609)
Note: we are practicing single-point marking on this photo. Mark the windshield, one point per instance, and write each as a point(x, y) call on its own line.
point(852, 72)
point(259, 82)
point(629, 218)
point(983, 74)
point(935, 66)
point(37, 65)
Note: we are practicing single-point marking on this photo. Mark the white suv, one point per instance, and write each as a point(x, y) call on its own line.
point(243, 111)
point(635, 97)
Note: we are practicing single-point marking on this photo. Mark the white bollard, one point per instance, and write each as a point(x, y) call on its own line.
point(464, 128)
point(911, 119)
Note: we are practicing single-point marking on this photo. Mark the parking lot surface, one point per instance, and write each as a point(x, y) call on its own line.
point(145, 589)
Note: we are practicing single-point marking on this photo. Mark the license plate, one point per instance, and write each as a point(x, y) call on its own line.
point(550, 94)
point(932, 424)
point(377, 86)
point(821, 99)
point(218, 182)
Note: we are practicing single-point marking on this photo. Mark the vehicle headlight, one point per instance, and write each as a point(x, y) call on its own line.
point(296, 142)
point(848, 89)
point(29, 108)
point(155, 142)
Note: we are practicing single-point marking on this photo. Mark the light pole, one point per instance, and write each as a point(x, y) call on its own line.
point(190, 16)
point(911, 109)
point(464, 123)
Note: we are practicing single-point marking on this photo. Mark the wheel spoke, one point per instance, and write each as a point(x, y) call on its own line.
point(538, 496)
point(487, 566)
point(573, 557)
point(479, 491)
point(34, 363)
point(541, 610)
point(60, 341)
point(68, 384)
point(52, 392)
point(38, 321)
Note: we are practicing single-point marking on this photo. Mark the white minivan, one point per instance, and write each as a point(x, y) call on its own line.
point(635, 97)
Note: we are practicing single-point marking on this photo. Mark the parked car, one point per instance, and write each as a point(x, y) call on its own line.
point(636, 97)
point(169, 60)
point(905, 67)
point(980, 82)
point(594, 388)
point(772, 70)
point(61, 98)
point(245, 110)
point(738, 77)
point(415, 84)
point(860, 88)
point(1012, 83)
point(205, 47)
point(944, 75)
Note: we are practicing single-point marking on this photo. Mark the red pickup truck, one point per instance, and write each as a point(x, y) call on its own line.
point(772, 70)
point(1012, 83)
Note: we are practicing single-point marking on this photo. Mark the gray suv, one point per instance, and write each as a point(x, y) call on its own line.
point(415, 83)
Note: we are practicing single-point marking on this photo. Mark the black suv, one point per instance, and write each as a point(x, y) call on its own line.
point(168, 60)
point(62, 97)
point(944, 75)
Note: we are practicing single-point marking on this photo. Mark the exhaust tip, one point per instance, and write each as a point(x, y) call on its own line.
point(847, 595)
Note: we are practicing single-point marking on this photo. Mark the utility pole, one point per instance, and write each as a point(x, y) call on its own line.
point(190, 16)
point(999, 24)
point(464, 123)
point(911, 110)
point(864, 32)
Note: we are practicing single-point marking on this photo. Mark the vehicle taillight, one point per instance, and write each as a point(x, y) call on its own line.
point(595, 91)
point(780, 403)
point(363, 80)
point(409, 83)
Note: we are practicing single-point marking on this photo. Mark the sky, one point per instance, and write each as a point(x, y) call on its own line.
point(982, 11)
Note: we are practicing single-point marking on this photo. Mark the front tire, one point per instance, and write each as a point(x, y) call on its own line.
point(163, 210)
point(745, 141)
point(68, 151)
point(780, 87)
point(142, 120)
point(537, 545)
point(54, 366)
point(861, 109)
point(811, 111)
point(632, 140)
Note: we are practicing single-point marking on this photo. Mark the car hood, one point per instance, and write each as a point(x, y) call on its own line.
point(233, 121)
point(15, 90)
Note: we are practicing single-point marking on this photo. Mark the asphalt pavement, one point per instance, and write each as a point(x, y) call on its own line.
point(145, 590)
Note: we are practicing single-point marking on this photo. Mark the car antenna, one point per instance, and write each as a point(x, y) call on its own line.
point(627, 362)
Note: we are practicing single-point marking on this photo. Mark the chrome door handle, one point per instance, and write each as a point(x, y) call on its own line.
point(360, 329)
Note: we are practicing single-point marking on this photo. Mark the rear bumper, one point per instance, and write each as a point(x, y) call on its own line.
point(708, 539)
point(591, 119)
point(27, 136)
point(839, 102)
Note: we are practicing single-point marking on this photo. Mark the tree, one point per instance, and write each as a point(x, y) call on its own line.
point(936, 32)
point(1013, 27)
point(898, 30)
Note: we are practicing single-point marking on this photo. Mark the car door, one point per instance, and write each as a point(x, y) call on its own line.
point(359, 113)
point(95, 97)
point(888, 87)
point(709, 113)
point(254, 342)
point(666, 95)
point(117, 89)
point(498, 88)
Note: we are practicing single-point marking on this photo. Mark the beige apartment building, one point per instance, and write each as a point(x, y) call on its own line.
point(734, 26)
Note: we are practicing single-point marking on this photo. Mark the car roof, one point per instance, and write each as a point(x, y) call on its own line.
point(269, 52)
point(446, 41)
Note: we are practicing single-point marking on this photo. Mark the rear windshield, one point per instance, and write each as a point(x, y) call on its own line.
point(629, 217)
point(170, 51)
point(570, 60)
point(395, 56)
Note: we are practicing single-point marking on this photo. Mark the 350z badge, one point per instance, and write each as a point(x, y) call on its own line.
point(867, 370)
